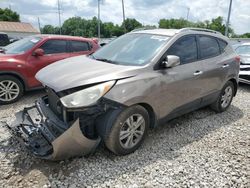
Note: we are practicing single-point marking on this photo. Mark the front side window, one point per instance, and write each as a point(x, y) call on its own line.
point(79, 46)
point(209, 47)
point(185, 48)
point(21, 46)
point(54, 47)
point(134, 49)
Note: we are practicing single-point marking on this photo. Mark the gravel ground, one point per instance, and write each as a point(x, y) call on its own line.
point(200, 149)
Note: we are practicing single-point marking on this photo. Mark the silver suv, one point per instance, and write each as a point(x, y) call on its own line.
point(132, 84)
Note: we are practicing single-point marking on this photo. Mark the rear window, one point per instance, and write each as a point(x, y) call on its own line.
point(79, 46)
point(209, 47)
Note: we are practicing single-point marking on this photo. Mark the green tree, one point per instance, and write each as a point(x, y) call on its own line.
point(131, 24)
point(48, 29)
point(9, 15)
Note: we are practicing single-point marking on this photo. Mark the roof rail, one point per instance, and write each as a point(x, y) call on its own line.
point(199, 29)
point(142, 28)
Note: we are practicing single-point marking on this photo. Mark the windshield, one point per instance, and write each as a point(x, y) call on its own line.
point(131, 49)
point(21, 46)
point(243, 50)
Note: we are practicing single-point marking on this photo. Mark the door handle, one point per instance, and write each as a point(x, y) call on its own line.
point(225, 66)
point(198, 73)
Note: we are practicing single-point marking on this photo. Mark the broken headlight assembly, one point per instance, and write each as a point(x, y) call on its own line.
point(86, 97)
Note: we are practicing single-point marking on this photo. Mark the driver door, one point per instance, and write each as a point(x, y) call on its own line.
point(181, 86)
point(54, 50)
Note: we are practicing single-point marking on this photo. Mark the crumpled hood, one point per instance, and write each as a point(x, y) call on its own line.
point(81, 70)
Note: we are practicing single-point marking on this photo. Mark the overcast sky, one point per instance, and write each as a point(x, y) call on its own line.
point(146, 11)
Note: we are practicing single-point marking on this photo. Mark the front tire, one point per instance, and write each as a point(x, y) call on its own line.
point(11, 89)
point(128, 130)
point(225, 98)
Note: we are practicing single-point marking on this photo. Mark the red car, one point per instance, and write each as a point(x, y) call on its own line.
point(21, 60)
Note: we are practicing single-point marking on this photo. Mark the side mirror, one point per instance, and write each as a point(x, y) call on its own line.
point(171, 61)
point(38, 52)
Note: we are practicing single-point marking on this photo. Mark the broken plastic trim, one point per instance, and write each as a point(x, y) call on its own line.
point(46, 136)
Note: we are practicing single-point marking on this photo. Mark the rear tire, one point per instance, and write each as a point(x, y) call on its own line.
point(128, 130)
point(225, 98)
point(11, 89)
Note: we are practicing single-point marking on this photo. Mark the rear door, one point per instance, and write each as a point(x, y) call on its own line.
point(54, 50)
point(77, 47)
point(215, 65)
point(181, 85)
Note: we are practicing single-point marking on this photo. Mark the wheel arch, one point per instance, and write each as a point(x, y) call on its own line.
point(233, 80)
point(17, 76)
point(151, 112)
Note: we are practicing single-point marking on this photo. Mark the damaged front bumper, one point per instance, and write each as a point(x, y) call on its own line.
point(49, 137)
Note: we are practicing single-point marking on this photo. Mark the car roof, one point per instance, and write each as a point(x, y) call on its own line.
point(51, 36)
point(167, 32)
point(172, 32)
point(245, 44)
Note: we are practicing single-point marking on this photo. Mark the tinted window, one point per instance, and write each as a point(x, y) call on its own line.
point(209, 47)
point(185, 48)
point(54, 46)
point(79, 46)
point(223, 45)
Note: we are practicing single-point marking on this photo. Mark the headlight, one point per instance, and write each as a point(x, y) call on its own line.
point(86, 97)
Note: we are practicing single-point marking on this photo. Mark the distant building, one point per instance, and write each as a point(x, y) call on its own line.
point(17, 29)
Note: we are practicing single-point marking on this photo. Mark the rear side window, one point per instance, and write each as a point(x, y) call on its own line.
point(223, 45)
point(185, 48)
point(209, 47)
point(79, 46)
point(54, 47)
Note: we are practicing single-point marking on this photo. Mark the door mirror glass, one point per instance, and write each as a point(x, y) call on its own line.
point(171, 61)
point(38, 52)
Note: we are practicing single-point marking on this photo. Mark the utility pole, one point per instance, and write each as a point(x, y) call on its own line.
point(99, 20)
point(228, 17)
point(123, 12)
point(39, 25)
point(59, 16)
point(188, 10)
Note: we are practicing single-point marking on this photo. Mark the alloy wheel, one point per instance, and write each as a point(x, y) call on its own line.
point(226, 97)
point(132, 131)
point(9, 90)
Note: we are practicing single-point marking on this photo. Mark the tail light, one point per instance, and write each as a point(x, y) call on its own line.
point(237, 59)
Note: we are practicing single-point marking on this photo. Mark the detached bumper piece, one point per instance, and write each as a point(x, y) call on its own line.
point(48, 137)
point(244, 75)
